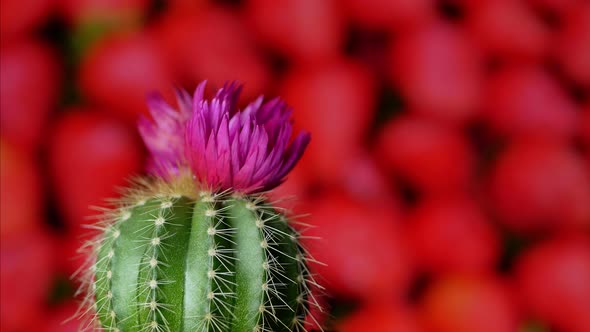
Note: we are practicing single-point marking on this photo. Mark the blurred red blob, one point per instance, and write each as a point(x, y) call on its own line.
point(104, 12)
point(362, 177)
point(89, 156)
point(432, 157)
point(74, 252)
point(508, 28)
point(462, 304)
point(29, 83)
point(452, 235)
point(538, 186)
point(18, 17)
point(335, 102)
point(120, 70)
point(304, 30)
point(573, 44)
point(186, 4)
point(26, 274)
point(62, 318)
point(555, 6)
point(20, 193)
point(212, 44)
point(380, 318)
point(585, 124)
point(553, 279)
point(360, 247)
point(389, 14)
point(526, 101)
point(439, 71)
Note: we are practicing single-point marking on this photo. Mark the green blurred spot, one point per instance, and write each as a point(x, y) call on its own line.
point(62, 290)
point(534, 327)
point(86, 35)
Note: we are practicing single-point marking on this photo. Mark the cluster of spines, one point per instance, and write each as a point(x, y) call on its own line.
point(286, 271)
point(220, 259)
point(152, 223)
point(274, 234)
point(152, 277)
point(103, 274)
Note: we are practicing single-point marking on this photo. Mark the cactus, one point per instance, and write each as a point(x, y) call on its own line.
point(176, 255)
point(181, 261)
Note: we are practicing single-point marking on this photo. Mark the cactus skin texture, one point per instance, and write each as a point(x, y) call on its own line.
point(172, 260)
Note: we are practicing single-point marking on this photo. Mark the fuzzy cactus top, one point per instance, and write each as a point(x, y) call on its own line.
point(247, 151)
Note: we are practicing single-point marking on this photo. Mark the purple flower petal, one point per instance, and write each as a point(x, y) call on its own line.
point(246, 151)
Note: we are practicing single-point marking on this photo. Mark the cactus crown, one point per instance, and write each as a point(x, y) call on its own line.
point(171, 257)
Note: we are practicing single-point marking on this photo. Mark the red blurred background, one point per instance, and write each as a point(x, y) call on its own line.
point(448, 174)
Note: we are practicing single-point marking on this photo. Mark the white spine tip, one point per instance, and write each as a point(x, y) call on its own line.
point(159, 221)
point(153, 284)
point(125, 215)
point(207, 199)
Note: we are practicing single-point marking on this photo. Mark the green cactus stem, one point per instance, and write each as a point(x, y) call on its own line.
point(169, 259)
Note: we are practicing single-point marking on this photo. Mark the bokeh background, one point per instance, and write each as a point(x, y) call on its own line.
point(449, 169)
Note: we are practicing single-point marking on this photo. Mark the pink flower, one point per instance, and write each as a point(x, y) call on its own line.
point(246, 151)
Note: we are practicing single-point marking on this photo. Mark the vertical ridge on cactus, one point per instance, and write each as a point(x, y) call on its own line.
point(195, 249)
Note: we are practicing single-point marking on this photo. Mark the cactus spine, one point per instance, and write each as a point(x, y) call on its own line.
point(170, 259)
